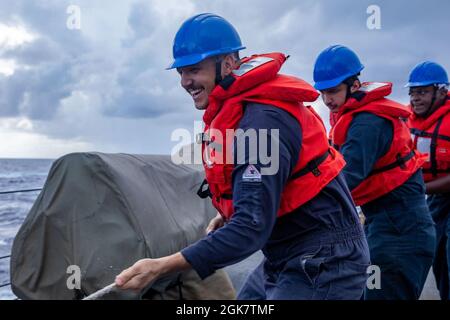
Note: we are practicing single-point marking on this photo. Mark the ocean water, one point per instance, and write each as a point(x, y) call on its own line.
point(16, 174)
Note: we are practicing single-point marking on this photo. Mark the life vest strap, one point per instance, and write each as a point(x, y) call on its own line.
point(202, 137)
point(312, 166)
point(421, 133)
point(428, 170)
point(400, 162)
point(433, 147)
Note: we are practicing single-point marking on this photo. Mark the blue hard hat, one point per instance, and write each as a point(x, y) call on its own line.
point(334, 65)
point(427, 73)
point(203, 36)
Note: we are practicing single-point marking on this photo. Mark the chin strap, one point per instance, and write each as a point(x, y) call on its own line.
point(430, 108)
point(218, 71)
point(349, 82)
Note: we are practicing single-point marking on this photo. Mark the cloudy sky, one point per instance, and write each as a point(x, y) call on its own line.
point(103, 87)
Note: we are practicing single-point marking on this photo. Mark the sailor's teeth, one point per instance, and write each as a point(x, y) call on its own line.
point(195, 92)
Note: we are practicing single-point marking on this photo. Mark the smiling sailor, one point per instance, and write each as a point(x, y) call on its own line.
point(301, 215)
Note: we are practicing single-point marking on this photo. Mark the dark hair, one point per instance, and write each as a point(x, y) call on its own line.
point(350, 80)
point(235, 55)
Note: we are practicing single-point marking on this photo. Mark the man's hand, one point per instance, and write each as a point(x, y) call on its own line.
point(145, 271)
point(215, 223)
point(139, 275)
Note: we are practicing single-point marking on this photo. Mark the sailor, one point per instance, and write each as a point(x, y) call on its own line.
point(301, 215)
point(383, 172)
point(430, 128)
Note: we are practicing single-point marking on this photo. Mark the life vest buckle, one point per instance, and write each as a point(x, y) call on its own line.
point(401, 161)
point(204, 191)
point(316, 172)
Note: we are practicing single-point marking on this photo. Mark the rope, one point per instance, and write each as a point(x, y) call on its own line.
point(100, 293)
point(19, 191)
point(5, 257)
point(5, 284)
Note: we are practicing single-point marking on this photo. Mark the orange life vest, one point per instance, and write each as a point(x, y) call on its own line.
point(401, 160)
point(431, 136)
point(257, 80)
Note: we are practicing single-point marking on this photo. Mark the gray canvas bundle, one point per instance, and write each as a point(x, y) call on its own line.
point(102, 213)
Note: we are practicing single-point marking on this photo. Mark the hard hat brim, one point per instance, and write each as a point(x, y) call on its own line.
point(423, 84)
point(323, 85)
point(192, 59)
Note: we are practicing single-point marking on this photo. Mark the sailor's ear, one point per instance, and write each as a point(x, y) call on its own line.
point(443, 91)
point(355, 86)
point(228, 64)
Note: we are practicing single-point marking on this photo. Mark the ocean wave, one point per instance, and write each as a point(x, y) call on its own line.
point(16, 174)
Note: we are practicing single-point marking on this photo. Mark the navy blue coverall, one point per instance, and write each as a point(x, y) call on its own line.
point(398, 225)
point(439, 205)
point(316, 252)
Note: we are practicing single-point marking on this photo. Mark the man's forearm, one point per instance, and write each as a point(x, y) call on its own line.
point(174, 263)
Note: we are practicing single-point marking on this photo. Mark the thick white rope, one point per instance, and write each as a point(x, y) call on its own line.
point(100, 293)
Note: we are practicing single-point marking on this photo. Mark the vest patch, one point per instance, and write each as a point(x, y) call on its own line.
point(250, 65)
point(423, 144)
point(372, 86)
point(251, 174)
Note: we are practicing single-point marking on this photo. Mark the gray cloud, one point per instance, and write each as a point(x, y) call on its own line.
point(106, 83)
point(143, 20)
point(46, 75)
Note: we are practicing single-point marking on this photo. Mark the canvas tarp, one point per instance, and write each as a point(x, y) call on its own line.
point(102, 213)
